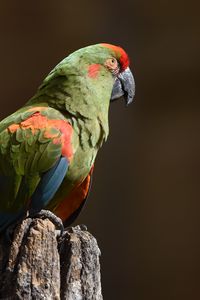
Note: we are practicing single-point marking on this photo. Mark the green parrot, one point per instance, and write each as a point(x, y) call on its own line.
point(48, 147)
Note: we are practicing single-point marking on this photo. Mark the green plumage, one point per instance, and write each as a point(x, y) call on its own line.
point(68, 93)
point(69, 88)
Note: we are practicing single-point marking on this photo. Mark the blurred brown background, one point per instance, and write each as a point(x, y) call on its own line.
point(144, 207)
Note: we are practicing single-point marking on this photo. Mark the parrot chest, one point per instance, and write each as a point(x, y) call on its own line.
point(87, 139)
point(73, 191)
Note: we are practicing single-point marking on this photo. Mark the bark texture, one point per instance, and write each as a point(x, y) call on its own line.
point(39, 264)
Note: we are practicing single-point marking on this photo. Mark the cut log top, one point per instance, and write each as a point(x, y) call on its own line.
point(39, 264)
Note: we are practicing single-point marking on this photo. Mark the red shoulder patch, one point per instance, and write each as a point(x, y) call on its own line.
point(51, 126)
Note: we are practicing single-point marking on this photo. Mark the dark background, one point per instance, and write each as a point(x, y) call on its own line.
point(144, 207)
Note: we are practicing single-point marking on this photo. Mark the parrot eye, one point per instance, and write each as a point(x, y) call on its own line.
point(112, 65)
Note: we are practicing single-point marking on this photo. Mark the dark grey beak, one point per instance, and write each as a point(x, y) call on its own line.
point(124, 86)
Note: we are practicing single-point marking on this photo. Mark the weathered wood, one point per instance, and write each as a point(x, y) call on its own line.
point(40, 265)
point(80, 268)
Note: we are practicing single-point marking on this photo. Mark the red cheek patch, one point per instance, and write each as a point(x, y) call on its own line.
point(93, 70)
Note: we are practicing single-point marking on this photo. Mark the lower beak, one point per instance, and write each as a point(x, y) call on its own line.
point(124, 86)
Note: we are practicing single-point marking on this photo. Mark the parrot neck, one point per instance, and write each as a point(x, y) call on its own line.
point(79, 96)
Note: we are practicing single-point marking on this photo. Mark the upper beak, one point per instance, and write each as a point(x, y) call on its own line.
point(124, 86)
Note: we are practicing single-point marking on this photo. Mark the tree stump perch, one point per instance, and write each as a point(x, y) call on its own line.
point(40, 265)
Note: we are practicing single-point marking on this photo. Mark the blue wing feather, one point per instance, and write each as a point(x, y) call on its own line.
point(49, 184)
point(46, 189)
point(8, 218)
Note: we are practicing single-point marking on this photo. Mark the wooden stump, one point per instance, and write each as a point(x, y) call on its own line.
point(40, 265)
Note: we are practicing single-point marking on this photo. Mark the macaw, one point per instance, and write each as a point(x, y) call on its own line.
point(48, 147)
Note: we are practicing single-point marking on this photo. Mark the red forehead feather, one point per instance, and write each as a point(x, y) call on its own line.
point(120, 54)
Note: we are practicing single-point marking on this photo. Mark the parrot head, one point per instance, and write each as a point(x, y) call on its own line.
point(85, 82)
point(124, 84)
point(103, 60)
